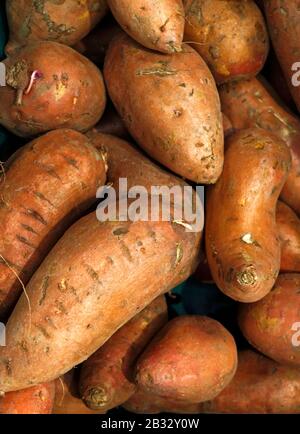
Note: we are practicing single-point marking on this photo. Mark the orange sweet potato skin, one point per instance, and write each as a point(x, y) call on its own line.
point(283, 22)
point(156, 24)
point(35, 400)
point(106, 379)
point(48, 184)
point(66, 22)
point(260, 385)
point(190, 360)
point(181, 124)
point(69, 92)
point(80, 297)
point(288, 226)
point(242, 247)
point(249, 104)
point(268, 324)
point(146, 403)
point(231, 36)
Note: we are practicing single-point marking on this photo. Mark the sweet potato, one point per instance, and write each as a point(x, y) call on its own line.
point(106, 379)
point(66, 22)
point(50, 86)
point(80, 296)
point(67, 400)
point(242, 247)
point(181, 124)
point(288, 226)
point(269, 324)
point(231, 36)
point(283, 18)
point(49, 184)
point(191, 360)
point(260, 385)
point(146, 403)
point(249, 104)
point(156, 24)
point(34, 400)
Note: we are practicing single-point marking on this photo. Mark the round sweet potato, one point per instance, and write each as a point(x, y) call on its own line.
point(50, 86)
point(242, 246)
point(288, 226)
point(181, 124)
point(35, 400)
point(261, 386)
point(248, 103)
point(231, 36)
point(270, 324)
point(156, 24)
point(191, 359)
point(106, 378)
point(46, 186)
point(283, 18)
point(66, 22)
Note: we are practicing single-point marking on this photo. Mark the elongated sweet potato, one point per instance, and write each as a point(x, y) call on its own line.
point(242, 246)
point(46, 186)
point(34, 400)
point(288, 226)
point(230, 35)
point(50, 86)
point(248, 104)
point(81, 296)
point(191, 359)
point(283, 18)
point(65, 21)
point(156, 24)
point(260, 385)
point(271, 324)
point(67, 400)
point(146, 403)
point(106, 379)
point(181, 124)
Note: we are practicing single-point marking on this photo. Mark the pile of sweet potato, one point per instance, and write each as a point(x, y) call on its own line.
point(172, 94)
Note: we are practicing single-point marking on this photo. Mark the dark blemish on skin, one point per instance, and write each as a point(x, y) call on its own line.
point(126, 251)
point(7, 364)
point(43, 331)
point(25, 241)
point(48, 169)
point(36, 216)
point(71, 161)
point(28, 229)
point(45, 285)
point(93, 274)
point(120, 231)
point(61, 307)
point(42, 197)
